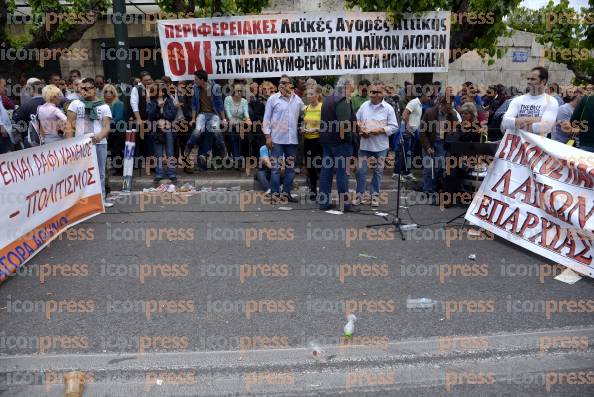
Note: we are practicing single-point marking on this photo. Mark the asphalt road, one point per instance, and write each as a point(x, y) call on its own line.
point(215, 276)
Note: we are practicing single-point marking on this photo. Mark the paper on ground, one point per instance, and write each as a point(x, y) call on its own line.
point(568, 276)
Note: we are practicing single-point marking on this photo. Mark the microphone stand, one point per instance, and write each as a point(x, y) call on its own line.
point(396, 221)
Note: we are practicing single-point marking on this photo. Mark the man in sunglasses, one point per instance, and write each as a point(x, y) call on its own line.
point(535, 111)
point(92, 116)
point(377, 121)
point(281, 119)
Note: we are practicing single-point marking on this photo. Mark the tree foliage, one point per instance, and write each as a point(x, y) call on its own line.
point(64, 33)
point(476, 24)
point(566, 34)
point(209, 8)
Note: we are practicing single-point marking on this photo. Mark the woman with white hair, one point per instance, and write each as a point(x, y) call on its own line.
point(469, 128)
point(52, 120)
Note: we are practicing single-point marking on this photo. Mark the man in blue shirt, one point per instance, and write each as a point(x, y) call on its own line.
point(468, 94)
point(281, 119)
point(22, 116)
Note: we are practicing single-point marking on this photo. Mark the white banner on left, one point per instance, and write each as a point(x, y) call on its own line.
point(44, 191)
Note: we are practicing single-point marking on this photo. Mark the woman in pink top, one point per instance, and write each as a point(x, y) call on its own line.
point(52, 119)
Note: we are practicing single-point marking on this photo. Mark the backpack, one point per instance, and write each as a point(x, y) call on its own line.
point(34, 132)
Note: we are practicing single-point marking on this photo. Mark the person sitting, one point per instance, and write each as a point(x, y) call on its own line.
point(264, 172)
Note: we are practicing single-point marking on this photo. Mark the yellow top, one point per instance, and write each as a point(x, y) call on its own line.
point(312, 116)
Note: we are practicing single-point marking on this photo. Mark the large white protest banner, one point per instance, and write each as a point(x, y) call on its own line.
point(45, 190)
point(305, 44)
point(538, 193)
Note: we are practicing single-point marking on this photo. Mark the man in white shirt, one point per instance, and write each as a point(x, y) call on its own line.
point(138, 100)
point(411, 120)
point(535, 111)
point(93, 117)
point(279, 126)
point(376, 120)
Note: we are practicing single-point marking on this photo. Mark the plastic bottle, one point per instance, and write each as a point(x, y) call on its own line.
point(421, 303)
point(316, 350)
point(350, 326)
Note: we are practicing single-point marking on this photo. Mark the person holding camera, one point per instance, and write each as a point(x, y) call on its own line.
point(161, 113)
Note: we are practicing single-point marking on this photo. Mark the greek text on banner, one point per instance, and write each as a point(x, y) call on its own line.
point(539, 194)
point(44, 191)
point(306, 44)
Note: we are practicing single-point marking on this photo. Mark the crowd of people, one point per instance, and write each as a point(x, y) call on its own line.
point(341, 130)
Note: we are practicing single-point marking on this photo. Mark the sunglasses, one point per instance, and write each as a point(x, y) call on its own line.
point(375, 92)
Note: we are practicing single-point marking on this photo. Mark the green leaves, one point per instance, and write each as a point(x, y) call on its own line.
point(477, 24)
point(564, 32)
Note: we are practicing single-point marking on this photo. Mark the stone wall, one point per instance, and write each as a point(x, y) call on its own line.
point(471, 67)
point(92, 40)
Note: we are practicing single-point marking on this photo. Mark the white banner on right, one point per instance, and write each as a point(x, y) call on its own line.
point(539, 194)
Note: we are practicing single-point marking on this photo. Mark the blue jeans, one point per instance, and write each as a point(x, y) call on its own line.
point(335, 157)
point(169, 148)
point(236, 142)
point(101, 150)
point(208, 122)
point(289, 152)
point(430, 184)
point(263, 177)
point(588, 148)
point(378, 169)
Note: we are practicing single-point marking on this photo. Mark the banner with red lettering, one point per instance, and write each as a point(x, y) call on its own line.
point(305, 44)
point(44, 191)
point(539, 194)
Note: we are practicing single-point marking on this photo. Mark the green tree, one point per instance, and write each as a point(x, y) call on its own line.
point(64, 33)
point(46, 32)
point(476, 24)
point(566, 34)
point(205, 8)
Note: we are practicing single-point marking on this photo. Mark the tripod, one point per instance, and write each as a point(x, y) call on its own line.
point(396, 221)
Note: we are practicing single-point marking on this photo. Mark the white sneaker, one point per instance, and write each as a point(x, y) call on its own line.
point(107, 204)
point(366, 200)
point(356, 201)
point(375, 201)
point(410, 177)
